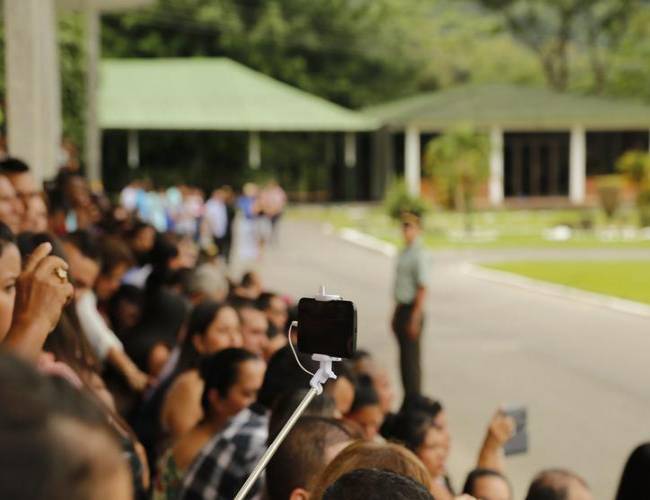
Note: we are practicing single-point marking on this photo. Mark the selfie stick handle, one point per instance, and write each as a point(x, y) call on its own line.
point(322, 375)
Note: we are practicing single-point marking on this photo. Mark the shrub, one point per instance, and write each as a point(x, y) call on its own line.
point(609, 192)
point(398, 200)
point(635, 165)
point(643, 205)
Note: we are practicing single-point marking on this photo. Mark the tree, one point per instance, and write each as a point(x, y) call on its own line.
point(326, 47)
point(635, 165)
point(458, 161)
point(551, 27)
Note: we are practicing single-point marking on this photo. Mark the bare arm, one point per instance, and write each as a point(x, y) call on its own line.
point(499, 432)
point(181, 410)
point(136, 379)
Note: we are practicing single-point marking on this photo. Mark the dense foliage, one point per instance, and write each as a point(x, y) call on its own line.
point(363, 52)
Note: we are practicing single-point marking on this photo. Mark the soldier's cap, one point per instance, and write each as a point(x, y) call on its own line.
point(410, 217)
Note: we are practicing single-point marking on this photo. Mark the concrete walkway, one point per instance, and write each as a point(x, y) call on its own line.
point(582, 371)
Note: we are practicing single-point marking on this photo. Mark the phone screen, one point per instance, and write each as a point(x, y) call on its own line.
point(327, 327)
point(519, 442)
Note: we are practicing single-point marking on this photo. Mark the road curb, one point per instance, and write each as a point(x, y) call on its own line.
point(552, 289)
point(367, 241)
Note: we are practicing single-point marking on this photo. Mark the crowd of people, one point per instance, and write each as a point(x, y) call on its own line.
point(133, 367)
point(183, 210)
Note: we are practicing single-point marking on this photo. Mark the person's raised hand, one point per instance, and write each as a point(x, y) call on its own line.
point(42, 289)
point(501, 429)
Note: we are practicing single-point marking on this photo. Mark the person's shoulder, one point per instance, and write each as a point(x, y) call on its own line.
point(188, 379)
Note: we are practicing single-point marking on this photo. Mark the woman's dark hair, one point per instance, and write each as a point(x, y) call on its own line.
point(220, 371)
point(86, 243)
point(115, 252)
point(635, 482)
point(125, 293)
point(373, 484)
point(410, 428)
point(201, 317)
point(284, 375)
point(364, 393)
point(248, 278)
point(424, 404)
point(476, 474)
point(6, 237)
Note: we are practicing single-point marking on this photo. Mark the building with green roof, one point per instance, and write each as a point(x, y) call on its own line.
point(543, 143)
point(215, 94)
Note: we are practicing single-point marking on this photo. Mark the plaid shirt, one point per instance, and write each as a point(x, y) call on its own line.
point(227, 459)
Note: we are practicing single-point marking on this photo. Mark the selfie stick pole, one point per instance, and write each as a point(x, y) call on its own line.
point(322, 375)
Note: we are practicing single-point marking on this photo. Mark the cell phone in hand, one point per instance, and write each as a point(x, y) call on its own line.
point(519, 442)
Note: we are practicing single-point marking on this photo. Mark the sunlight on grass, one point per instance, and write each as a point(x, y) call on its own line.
point(625, 279)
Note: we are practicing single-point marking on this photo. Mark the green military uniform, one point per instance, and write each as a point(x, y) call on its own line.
point(412, 274)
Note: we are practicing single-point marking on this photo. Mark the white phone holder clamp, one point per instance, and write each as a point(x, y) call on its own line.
point(325, 371)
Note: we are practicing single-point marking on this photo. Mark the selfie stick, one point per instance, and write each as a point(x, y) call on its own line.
point(322, 375)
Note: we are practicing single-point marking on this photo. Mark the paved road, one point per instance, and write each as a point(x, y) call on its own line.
point(582, 371)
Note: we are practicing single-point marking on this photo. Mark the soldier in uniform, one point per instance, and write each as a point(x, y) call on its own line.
point(410, 290)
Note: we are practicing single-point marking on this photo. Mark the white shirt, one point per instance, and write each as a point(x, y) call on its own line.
point(216, 217)
point(100, 337)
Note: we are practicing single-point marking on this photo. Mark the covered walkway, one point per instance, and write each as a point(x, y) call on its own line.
point(542, 143)
point(215, 94)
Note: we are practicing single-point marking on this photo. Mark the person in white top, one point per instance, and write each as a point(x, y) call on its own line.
point(84, 269)
point(216, 220)
point(274, 201)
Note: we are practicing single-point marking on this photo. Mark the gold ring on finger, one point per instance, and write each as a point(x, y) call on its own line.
point(62, 274)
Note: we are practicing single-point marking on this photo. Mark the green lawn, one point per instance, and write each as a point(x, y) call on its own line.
point(493, 229)
point(624, 279)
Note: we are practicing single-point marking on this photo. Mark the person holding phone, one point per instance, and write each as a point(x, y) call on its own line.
point(410, 291)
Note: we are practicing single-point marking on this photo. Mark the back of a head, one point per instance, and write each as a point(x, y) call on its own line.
point(55, 441)
point(476, 475)
point(284, 375)
point(554, 484)
point(286, 404)
point(635, 481)
point(372, 455)
point(303, 455)
point(375, 484)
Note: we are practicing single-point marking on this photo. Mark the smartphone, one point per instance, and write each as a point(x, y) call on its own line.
point(327, 327)
point(519, 442)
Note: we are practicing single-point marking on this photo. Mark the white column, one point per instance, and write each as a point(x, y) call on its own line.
point(496, 166)
point(254, 150)
point(412, 160)
point(578, 165)
point(92, 132)
point(133, 149)
point(350, 149)
point(33, 84)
